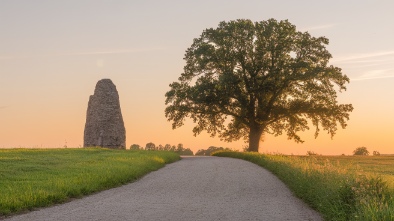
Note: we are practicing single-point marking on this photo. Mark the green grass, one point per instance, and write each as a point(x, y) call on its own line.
point(340, 188)
point(31, 178)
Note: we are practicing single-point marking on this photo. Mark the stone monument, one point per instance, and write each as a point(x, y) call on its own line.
point(104, 125)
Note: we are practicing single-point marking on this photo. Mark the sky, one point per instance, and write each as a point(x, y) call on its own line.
point(52, 53)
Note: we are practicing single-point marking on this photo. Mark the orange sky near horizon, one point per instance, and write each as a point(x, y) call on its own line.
point(53, 53)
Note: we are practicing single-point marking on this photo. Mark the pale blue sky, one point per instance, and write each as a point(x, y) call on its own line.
point(52, 53)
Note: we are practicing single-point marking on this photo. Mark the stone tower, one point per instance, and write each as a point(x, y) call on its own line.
point(104, 122)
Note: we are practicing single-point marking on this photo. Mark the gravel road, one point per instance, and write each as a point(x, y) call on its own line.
point(195, 188)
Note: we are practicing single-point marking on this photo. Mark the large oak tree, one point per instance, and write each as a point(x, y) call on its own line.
point(244, 79)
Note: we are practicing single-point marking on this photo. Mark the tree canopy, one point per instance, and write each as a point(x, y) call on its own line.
point(210, 150)
point(180, 149)
point(363, 151)
point(244, 79)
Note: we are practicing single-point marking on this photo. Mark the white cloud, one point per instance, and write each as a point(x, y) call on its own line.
point(103, 52)
point(120, 51)
point(371, 78)
point(367, 66)
point(318, 27)
point(363, 57)
point(375, 74)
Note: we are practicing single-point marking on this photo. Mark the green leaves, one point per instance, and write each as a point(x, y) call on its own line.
point(262, 75)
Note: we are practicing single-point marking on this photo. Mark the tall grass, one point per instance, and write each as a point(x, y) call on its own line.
point(31, 178)
point(336, 189)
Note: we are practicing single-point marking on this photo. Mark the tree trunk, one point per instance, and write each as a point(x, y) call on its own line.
point(254, 139)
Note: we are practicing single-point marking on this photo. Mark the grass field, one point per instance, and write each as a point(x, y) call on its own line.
point(31, 178)
point(381, 166)
point(340, 187)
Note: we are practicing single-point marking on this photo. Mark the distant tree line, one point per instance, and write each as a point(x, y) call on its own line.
point(210, 150)
point(180, 149)
point(363, 151)
point(311, 153)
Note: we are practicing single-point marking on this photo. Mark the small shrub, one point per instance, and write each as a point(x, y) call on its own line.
point(311, 153)
point(361, 151)
point(135, 147)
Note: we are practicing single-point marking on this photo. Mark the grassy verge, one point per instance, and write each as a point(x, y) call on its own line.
point(31, 178)
point(338, 189)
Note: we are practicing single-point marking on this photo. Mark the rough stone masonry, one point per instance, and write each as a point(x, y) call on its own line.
point(104, 122)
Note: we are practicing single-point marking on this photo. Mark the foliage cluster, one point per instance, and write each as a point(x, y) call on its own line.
point(362, 151)
point(334, 187)
point(311, 153)
point(376, 153)
point(179, 149)
point(32, 178)
point(211, 150)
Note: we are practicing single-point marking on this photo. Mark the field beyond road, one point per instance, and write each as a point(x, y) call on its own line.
point(31, 178)
point(340, 187)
